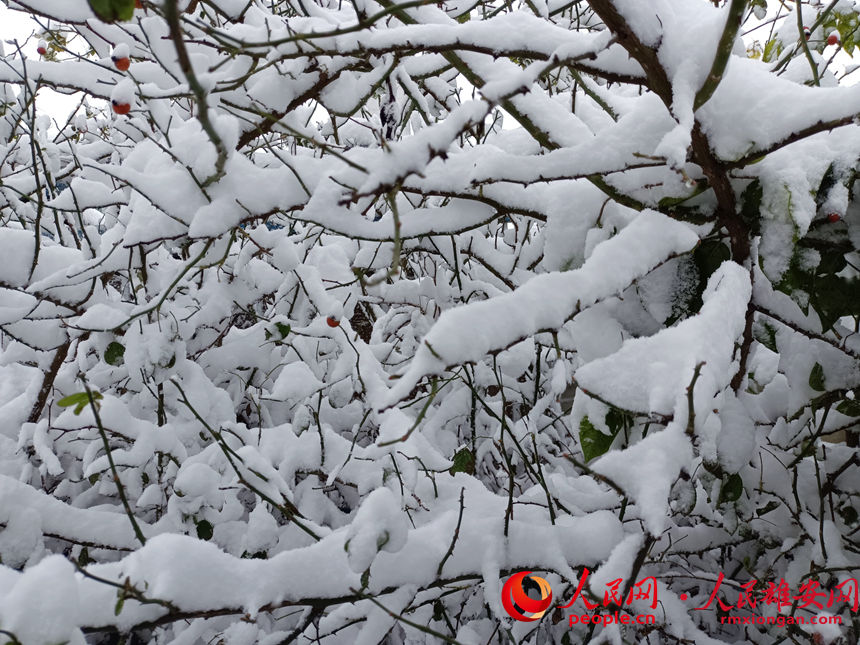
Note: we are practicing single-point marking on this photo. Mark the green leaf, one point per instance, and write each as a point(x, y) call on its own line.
point(708, 257)
point(772, 505)
point(751, 206)
point(438, 610)
point(828, 180)
point(204, 530)
point(464, 462)
point(731, 489)
point(382, 540)
point(594, 443)
point(617, 419)
point(257, 555)
point(112, 10)
point(74, 399)
point(283, 330)
point(832, 261)
point(765, 333)
point(79, 400)
point(84, 558)
point(816, 286)
point(848, 515)
point(114, 354)
point(816, 378)
point(833, 297)
point(119, 603)
point(849, 407)
point(772, 50)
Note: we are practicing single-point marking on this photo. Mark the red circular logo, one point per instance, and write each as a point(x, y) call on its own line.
point(518, 605)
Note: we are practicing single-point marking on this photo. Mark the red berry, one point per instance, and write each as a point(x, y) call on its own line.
point(806, 32)
point(833, 39)
point(42, 51)
point(121, 108)
point(833, 218)
point(121, 63)
point(331, 321)
point(138, 4)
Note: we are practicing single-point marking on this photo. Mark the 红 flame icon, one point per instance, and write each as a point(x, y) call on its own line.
point(518, 605)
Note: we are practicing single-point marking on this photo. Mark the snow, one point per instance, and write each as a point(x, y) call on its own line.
point(120, 51)
point(379, 524)
point(546, 301)
point(51, 586)
point(86, 525)
point(652, 374)
point(742, 127)
point(123, 92)
point(511, 231)
point(647, 470)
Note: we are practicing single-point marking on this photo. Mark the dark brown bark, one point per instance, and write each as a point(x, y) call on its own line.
point(701, 153)
point(48, 382)
point(657, 80)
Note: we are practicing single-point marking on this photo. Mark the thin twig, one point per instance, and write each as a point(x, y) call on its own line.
point(119, 487)
point(454, 538)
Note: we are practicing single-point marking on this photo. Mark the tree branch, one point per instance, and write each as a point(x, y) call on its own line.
point(724, 52)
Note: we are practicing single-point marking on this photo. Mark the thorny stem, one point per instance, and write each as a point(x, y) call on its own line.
point(804, 44)
point(454, 537)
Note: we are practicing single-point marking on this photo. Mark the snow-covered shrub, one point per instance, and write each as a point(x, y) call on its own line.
point(320, 318)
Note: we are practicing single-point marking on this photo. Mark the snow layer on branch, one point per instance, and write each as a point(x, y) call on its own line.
point(42, 606)
point(688, 42)
point(50, 273)
point(612, 148)
point(65, 10)
point(739, 122)
point(547, 301)
point(379, 524)
point(647, 470)
point(650, 374)
point(790, 179)
point(245, 188)
point(644, 18)
point(195, 575)
point(514, 31)
point(57, 518)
